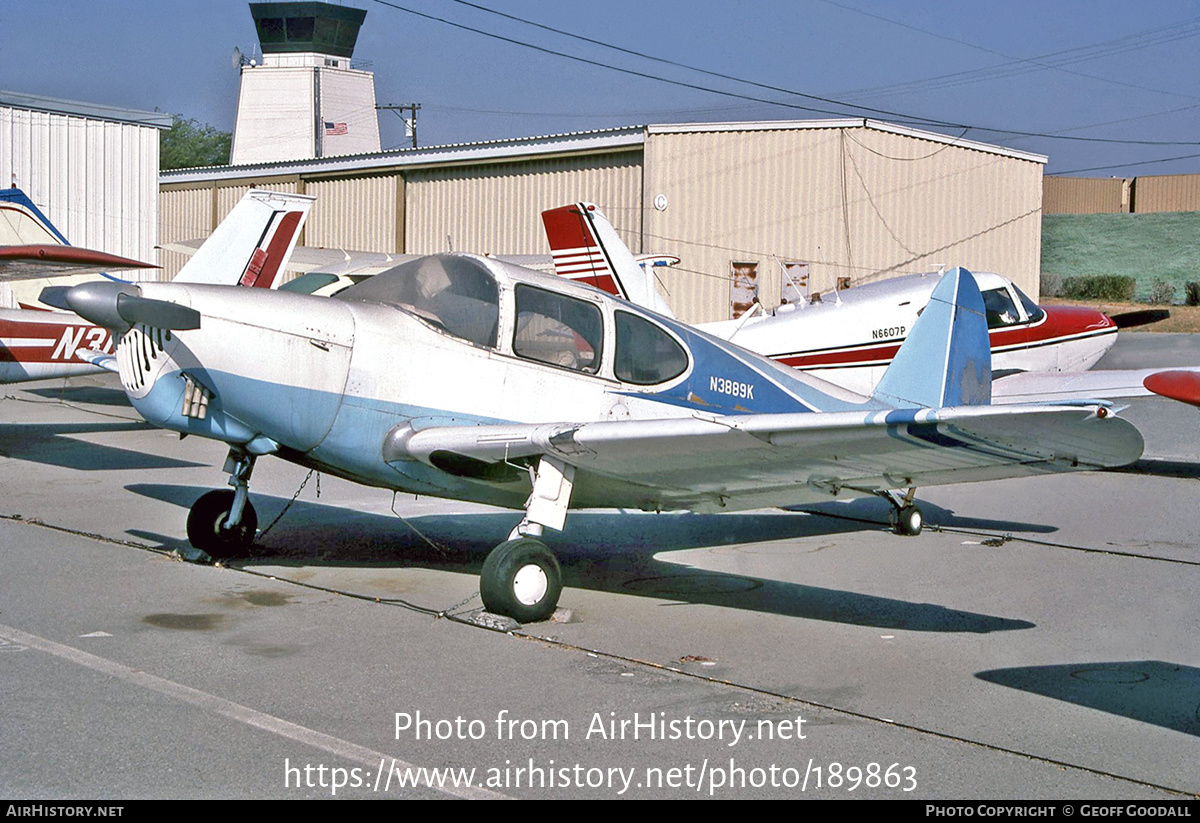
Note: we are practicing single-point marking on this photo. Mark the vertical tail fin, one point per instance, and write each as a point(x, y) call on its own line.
point(252, 244)
point(23, 224)
point(947, 359)
point(586, 247)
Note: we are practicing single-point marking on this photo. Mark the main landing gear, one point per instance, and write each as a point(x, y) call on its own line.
point(222, 522)
point(521, 577)
point(906, 517)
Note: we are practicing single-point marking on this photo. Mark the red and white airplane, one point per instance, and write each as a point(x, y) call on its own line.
point(850, 337)
point(38, 344)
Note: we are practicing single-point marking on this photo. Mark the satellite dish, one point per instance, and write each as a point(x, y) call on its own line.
point(237, 58)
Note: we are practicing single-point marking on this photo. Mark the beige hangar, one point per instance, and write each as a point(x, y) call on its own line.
point(838, 201)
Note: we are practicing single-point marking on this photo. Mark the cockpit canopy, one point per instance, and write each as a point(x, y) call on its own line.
point(555, 323)
point(454, 293)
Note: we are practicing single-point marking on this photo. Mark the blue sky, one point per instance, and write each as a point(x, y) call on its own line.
point(1016, 72)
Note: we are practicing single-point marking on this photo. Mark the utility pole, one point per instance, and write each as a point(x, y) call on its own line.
point(410, 122)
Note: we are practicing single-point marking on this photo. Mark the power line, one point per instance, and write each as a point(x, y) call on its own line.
point(1052, 60)
point(647, 76)
point(764, 86)
point(1124, 165)
point(908, 119)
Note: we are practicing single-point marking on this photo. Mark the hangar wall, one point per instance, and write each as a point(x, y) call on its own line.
point(853, 199)
point(93, 170)
point(1122, 195)
point(863, 202)
point(496, 208)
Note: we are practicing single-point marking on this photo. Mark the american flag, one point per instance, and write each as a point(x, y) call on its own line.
point(334, 128)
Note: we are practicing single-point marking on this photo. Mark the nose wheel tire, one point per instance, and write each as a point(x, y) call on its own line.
point(521, 578)
point(206, 525)
point(908, 520)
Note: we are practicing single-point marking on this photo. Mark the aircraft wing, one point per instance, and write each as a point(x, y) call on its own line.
point(1065, 387)
point(752, 461)
point(45, 260)
point(307, 259)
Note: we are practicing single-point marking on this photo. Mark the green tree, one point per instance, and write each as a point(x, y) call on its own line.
point(188, 144)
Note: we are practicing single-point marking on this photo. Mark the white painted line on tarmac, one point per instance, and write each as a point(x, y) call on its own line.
point(243, 714)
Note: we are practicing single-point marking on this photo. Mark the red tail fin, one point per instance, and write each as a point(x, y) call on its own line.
point(577, 253)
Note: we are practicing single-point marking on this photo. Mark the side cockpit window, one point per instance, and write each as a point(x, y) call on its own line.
point(559, 330)
point(646, 354)
point(454, 294)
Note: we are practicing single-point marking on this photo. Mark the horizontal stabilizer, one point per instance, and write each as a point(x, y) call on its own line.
point(1177, 384)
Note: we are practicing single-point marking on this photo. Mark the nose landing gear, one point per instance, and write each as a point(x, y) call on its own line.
point(222, 522)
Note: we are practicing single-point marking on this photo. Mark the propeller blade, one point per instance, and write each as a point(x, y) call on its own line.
point(55, 296)
point(158, 313)
point(118, 306)
point(1141, 317)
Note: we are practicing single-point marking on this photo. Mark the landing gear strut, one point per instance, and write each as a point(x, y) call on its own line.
point(906, 516)
point(222, 522)
point(521, 577)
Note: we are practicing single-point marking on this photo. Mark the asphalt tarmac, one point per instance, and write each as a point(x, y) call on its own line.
point(1038, 640)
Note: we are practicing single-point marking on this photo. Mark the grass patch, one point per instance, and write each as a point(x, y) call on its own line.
point(1147, 247)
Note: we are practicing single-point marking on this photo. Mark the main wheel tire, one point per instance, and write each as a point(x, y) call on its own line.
point(521, 578)
point(206, 525)
point(909, 521)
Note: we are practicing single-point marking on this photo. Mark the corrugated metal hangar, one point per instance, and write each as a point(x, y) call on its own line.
point(844, 201)
point(92, 169)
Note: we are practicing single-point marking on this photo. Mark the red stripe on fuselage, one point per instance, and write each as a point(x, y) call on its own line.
point(1060, 324)
point(57, 341)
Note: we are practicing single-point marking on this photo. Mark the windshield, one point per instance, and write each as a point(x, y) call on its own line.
point(454, 294)
point(1032, 309)
point(1000, 308)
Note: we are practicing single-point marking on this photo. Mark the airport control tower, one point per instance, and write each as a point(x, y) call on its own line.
point(304, 100)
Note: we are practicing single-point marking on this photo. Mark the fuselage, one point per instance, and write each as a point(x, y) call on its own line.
point(37, 345)
point(851, 337)
point(446, 340)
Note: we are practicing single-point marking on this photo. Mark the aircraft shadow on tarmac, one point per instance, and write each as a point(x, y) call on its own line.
point(603, 551)
point(1159, 467)
point(875, 510)
point(92, 395)
point(1151, 691)
point(51, 444)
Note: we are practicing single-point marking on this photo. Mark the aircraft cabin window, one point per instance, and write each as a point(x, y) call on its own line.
point(646, 354)
point(559, 330)
point(453, 294)
point(1000, 308)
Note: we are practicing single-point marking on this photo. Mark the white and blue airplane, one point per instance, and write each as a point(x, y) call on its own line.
point(468, 378)
point(251, 246)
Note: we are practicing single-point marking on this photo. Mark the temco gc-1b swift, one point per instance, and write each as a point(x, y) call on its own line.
point(469, 378)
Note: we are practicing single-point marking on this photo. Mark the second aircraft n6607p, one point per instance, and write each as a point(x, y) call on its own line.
point(469, 378)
